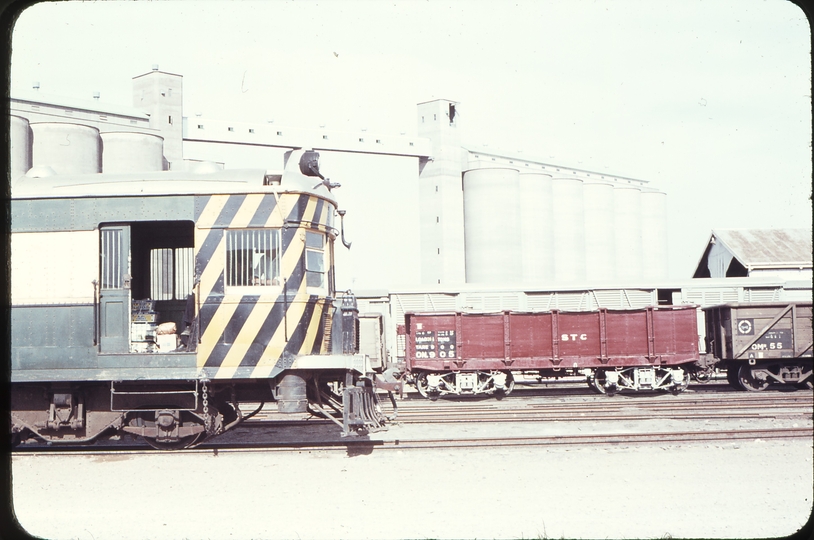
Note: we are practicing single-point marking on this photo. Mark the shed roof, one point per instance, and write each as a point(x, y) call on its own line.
point(764, 248)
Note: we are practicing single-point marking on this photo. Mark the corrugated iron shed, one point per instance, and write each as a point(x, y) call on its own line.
point(760, 249)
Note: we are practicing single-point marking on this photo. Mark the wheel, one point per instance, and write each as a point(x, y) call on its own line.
point(500, 394)
point(509, 383)
point(748, 381)
point(685, 383)
point(598, 381)
point(423, 388)
point(591, 381)
point(421, 384)
point(732, 377)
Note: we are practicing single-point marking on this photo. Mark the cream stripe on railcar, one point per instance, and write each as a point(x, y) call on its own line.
point(216, 327)
point(313, 329)
point(209, 215)
point(278, 341)
point(54, 267)
point(244, 214)
point(247, 335)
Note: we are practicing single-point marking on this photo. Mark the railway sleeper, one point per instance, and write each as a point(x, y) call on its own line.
point(611, 381)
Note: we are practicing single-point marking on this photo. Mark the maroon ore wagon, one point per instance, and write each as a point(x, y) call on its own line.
point(476, 353)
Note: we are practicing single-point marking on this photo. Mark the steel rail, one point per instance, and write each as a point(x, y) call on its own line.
point(365, 446)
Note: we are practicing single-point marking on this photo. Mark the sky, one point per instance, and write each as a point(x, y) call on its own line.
point(709, 101)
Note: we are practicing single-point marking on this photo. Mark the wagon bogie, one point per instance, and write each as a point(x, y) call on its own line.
point(611, 381)
point(431, 385)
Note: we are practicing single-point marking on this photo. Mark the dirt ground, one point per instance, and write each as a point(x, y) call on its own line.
point(744, 489)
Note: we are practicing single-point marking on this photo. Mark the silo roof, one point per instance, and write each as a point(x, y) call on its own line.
point(90, 105)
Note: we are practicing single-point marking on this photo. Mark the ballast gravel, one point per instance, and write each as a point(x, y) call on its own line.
point(741, 489)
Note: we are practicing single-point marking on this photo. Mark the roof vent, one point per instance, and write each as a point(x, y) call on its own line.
point(155, 67)
point(36, 85)
point(96, 95)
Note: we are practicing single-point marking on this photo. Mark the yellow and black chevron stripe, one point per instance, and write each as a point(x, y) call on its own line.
point(258, 335)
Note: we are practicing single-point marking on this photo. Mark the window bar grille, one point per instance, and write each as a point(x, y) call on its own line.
point(111, 263)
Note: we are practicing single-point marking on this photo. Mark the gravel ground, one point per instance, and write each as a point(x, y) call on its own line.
point(744, 489)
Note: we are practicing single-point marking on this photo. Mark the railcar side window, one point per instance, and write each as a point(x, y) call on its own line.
point(314, 259)
point(171, 273)
point(253, 258)
point(111, 259)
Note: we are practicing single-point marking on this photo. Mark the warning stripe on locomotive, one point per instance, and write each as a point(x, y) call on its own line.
point(257, 335)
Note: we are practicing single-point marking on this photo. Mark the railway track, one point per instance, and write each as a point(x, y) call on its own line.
point(355, 446)
point(273, 431)
point(594, 407)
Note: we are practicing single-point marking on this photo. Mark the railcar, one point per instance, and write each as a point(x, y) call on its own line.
point(456, 353)
point(761, 343)
point(161, 304)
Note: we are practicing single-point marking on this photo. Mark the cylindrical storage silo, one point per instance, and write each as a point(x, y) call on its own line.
point(600, 243)
point(491, 226)
point(124, 152)
point(568, 215)
point(536, 235)
point(20, 146)
point(654, 235)
point(66, 148)
point(628, 225)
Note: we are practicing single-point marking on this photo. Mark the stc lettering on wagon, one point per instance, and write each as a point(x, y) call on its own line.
point(574, 337)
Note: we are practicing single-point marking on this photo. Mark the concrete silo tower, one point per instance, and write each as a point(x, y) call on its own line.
point(441, 195)
point(160, 95)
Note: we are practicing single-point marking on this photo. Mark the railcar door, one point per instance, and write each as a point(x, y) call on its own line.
point(114, 289)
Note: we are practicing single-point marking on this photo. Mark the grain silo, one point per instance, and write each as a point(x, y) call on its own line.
point(536, 233)
point(600, 242)
point(66, 148)
point(568, 215)
point(628, 228)
point(20, 151)
point(491, 226)
point(124, 152)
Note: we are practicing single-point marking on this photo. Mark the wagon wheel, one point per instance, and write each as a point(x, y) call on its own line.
point(597, 381)
point(685, 383)
point(732, 377)
point(423, 388)
point(748, 381)
point(509, 385)
point(590, 380)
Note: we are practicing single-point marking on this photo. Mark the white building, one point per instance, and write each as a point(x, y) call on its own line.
point(773, 253)
point(421, 210)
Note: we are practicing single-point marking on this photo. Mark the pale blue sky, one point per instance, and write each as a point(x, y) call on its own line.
point(708, 100)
